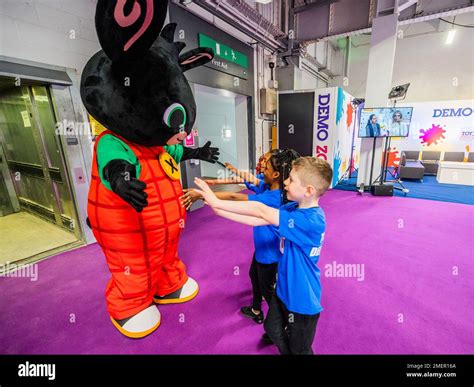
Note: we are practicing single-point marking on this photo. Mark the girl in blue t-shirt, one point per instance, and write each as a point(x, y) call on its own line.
point(267, 252)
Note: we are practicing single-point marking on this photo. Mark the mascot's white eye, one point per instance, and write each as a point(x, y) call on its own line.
point(175, 116)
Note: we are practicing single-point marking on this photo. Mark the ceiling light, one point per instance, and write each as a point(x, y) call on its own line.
point(450, 37)
point(226, 133)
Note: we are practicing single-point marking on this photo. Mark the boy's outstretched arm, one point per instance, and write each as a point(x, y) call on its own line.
point(251, 208)
point(191, 195)
point(244, 219)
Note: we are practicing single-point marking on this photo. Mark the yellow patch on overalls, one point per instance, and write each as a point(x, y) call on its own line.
point(169, 166)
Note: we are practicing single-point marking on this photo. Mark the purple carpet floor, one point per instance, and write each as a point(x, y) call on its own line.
point(409, 290)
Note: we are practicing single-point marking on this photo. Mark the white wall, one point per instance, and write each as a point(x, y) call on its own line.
point(436, 71)
point(56, 32)
point(305, 80)
point(242, 130)
point(217, 112)
point(293, 78)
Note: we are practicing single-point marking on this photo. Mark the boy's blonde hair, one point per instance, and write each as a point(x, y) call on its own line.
point(315, 172)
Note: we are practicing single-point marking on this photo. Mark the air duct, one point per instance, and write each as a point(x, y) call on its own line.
point(246, 19)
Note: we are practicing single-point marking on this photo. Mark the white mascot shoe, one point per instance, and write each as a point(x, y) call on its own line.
point(141, 324)
point(189, 290)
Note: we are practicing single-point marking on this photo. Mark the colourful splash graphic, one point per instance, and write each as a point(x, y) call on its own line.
point(336, 165)
point(432, 136)
point(393, 157)
point(340, 105)
point(350, 113)
point(354, 162)
point(344, 165)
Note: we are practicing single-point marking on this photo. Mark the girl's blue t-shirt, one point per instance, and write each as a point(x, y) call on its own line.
point(258, 189)
point(266, 239)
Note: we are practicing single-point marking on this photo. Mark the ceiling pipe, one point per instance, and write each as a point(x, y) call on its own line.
point(247, 20)
point(313, 4)
point(402, 22)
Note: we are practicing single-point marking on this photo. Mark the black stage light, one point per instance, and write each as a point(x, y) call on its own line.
point(399, 92)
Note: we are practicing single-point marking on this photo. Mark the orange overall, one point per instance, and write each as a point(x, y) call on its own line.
point(141, 248)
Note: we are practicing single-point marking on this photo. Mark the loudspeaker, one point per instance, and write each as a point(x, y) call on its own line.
point(382, 190)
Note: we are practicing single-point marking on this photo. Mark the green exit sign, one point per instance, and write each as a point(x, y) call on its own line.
point(223, 51)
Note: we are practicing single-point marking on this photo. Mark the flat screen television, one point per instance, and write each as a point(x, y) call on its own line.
point(385, 122)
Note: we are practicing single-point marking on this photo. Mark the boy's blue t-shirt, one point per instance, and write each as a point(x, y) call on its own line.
point(258, 189)
point(302, 232)
point(266, 239)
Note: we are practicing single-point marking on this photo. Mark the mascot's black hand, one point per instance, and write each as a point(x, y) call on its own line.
point(208, 153)
point(123, 182)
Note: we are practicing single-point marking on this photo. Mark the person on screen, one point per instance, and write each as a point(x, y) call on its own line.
point(373, 128)
point(397, 127)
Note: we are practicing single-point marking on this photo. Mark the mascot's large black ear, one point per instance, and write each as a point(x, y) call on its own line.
point(196, 57)
point(127, 28)
point(168, 32)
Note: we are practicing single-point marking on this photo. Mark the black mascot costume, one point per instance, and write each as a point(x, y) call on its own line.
point(136, 88)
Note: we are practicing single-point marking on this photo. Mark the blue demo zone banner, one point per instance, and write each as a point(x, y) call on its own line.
point(334, 129)
point(319, 123)
point(323, 127)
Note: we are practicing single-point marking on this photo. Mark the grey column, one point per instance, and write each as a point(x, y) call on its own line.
point(379, 84)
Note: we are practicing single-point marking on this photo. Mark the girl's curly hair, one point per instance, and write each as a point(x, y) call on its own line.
point(281, 161)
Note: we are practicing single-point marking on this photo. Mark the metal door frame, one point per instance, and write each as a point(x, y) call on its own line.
point(63, 167)
point(39, 140)
point(5, 172)
point(38, 137)
point(66, 170)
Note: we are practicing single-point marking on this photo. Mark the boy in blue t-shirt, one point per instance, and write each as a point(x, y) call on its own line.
point(294, 310)
point(264, 265)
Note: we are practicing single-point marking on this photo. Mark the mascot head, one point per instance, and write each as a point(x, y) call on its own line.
point(135, 86)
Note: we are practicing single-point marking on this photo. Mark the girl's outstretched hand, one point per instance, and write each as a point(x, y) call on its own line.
point(231, 168)
point(189, 197)
point(209, 196)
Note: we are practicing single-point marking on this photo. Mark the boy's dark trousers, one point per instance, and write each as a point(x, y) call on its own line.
point(263, 278)
point(300, 330)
